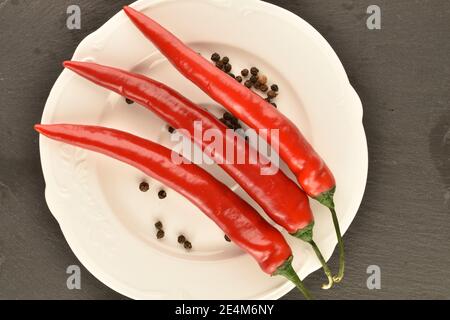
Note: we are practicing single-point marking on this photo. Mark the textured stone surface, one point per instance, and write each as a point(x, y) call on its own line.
point(401, 73)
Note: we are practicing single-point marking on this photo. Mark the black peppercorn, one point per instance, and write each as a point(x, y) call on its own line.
point(219, 64)
point(254, 71)
point(227, 239)
point(225, 60)
point(228, 116)
point(129, 101)
point(253, 79)
point(248, 84)
point(244, 72)
point(170, 129)
point(229, 124)
point(144, 186)
point(160, 234)
point(264, 88)
point(234, 120)
point(181, 239)
point(257, 85)
point(227, 67)
point(187, 245)
point(274, 87)
point(239, 79)
point(162, 194)
point(158, 225)
point(215, 57)
point(272, 94)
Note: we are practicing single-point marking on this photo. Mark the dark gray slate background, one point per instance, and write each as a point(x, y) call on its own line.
point(401, 72)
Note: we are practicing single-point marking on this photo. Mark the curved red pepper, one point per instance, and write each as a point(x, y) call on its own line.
point(311, 171)
point(278, 195)
point(244, 226)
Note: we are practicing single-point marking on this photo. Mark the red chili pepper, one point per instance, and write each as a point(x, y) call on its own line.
point(278, 195)
point(233, 215)
point(311, 171)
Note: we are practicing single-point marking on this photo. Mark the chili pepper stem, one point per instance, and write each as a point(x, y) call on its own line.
point(326, 199)
point(340, 275)
point(306, 234)
point(286, 270)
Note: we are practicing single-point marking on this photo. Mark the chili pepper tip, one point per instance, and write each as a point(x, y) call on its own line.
point(38, 128)
point(69, 64)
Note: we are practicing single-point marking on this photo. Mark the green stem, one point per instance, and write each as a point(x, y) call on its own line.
point(306, 234)
point(326, 199)
point(289, 273)
point(340, 275)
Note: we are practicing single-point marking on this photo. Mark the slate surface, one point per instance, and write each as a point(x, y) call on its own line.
point(401, 72)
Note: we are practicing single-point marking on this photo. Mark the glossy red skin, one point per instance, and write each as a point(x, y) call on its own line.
point(282, 200)
point(243, 225)
point(311, 171)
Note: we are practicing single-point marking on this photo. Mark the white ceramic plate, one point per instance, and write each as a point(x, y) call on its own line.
point(108, 222)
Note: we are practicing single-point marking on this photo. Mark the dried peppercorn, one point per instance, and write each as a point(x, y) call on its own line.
point(219, 64)
point(253, 79)
point(227, 239)
point(254, 71)
point(257, 85)
point(274, 87)
point(228, 116)
point(263, 79)
point(229, 124)
point(239, 79)
point(159, 225)
point(272, 94)
point(162, 194)
point(144, 186)
point(244, 72)
point(264, 88)
point(181, 239)
point(215, 57)
point(170, 129)
point(187, 245)
point(225, 60)
point(129, 101)
point(227, 67)
point(248, 84)
point(160, 234)
point(234, 120)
